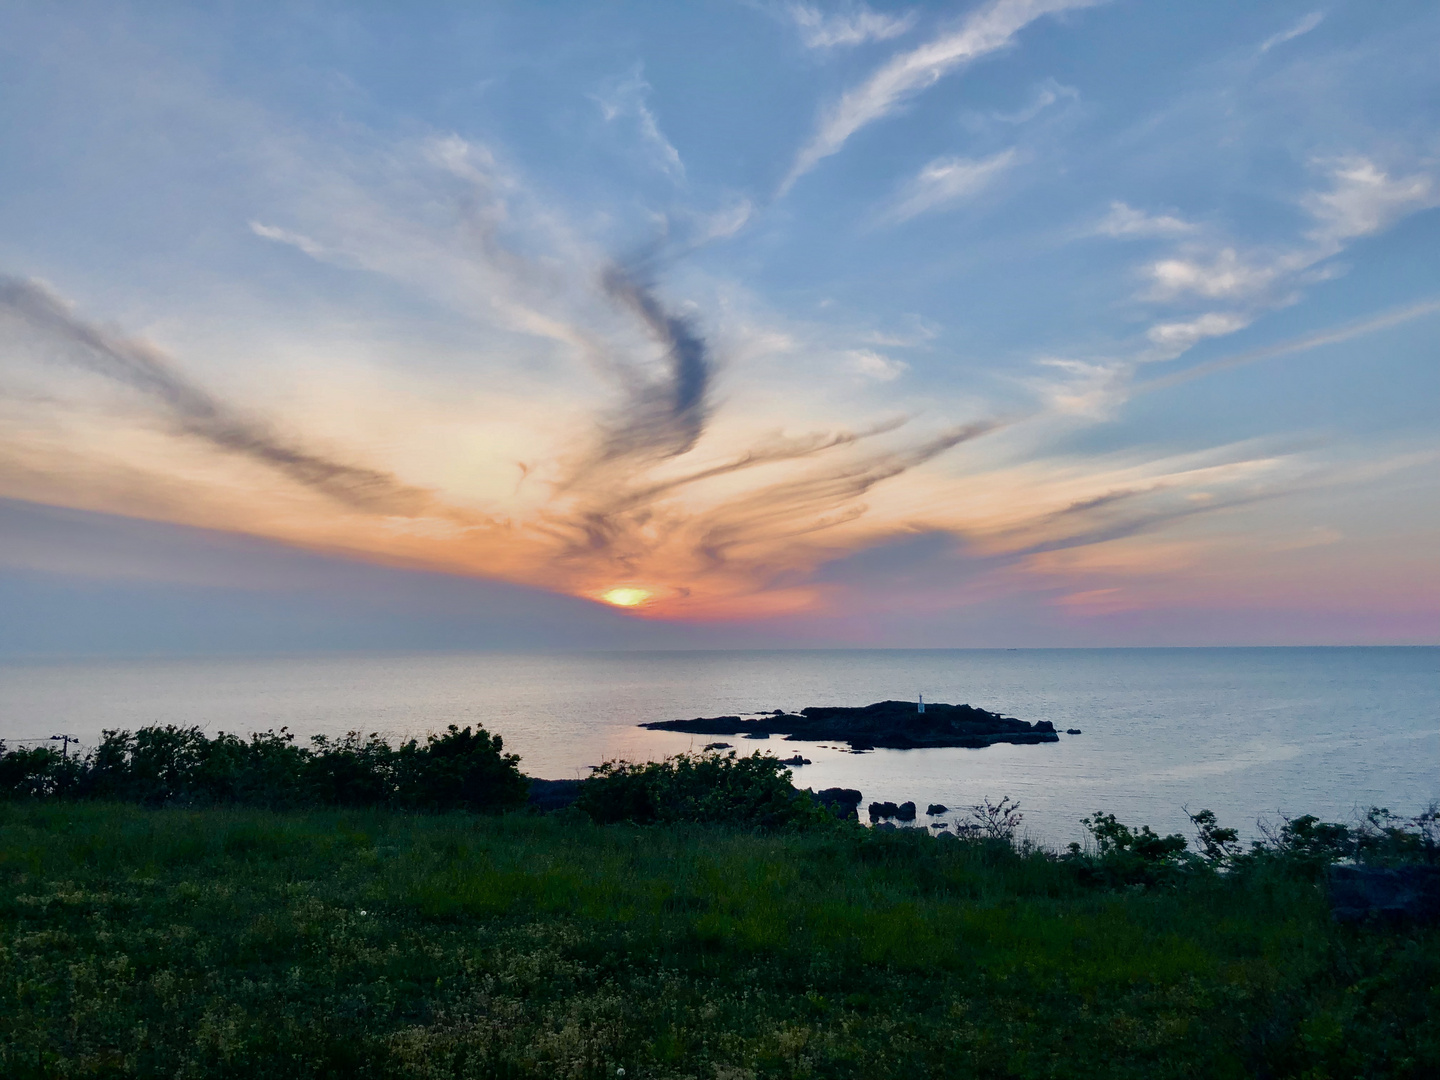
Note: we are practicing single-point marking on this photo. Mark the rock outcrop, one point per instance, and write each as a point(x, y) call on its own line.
point(842, 802)
point(896, 725)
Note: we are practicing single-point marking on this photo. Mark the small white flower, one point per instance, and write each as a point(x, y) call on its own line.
point(620, 1071)
point(364, 912)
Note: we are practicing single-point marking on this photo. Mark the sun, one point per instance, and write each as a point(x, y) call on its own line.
point(626, 596)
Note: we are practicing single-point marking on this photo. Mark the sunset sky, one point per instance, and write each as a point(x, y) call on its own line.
point(1025, 322)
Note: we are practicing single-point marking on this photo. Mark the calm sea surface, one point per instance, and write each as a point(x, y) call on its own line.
point(1245, 732)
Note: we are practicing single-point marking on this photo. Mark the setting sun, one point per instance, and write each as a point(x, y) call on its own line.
point(626, 596)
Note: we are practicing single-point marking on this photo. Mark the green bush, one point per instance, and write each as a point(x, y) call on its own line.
point(463, 769)
point(749, 792)
point(459, 770)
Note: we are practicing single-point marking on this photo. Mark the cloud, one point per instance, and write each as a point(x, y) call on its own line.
point(197, 413)
point(855, 25)
point(1363, 199)
point(664, 417)
point(946, 180)
point(1304, 26)
point(629, 98)
point(1177, 337)
point(1046, 94)
point(1125, 222)
point(283, 236)
point(988, 30)
point(877, 366)
point(1223, 275)
point(1331, 336)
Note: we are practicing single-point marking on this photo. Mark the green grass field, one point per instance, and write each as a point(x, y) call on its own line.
point(224, 942)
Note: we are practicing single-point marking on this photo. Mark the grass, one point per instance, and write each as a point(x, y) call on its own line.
point(214, 943)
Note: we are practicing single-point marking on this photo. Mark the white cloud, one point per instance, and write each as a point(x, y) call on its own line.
point(1125, 221)
point(1225, 275)
point(853, 26)
point(285, 236)
point(1304, 26)
point(1364, 200)
point(1083, 388)
point(726, 221)
point(918, 332)
point(988, 30)
point(878, 366)
point(1177, 337)
point(1046, 94)
point(945, 180)
point(628, 98)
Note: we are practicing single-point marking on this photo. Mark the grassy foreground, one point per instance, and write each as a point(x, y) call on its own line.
point(240, 942)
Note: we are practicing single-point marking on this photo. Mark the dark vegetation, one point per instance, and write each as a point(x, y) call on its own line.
point(894, 724)
point(167, 925)
point(165, 766)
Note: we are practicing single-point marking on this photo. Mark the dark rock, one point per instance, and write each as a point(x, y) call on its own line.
point(1397, 894)
point(717, 746)
point(796, 760)
point(946, 835)
point(1072, 731)
point(553, 794)
point(906, 811)
point(886, 826)
point(843, 802)
point(938, 825)
point(880, 810)
point(936, 808)
point(891, 724)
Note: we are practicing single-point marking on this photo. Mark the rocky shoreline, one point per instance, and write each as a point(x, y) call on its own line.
point(896, 725)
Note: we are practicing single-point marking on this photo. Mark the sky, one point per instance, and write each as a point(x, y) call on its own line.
point(1012, 323)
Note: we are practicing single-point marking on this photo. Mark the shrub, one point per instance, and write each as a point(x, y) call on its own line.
point(156, 766)
point(1126, 856)
point(36, 773)
point(460, 770)
point(750, 792)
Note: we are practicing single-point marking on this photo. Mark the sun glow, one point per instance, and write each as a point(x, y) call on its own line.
point(626, 596)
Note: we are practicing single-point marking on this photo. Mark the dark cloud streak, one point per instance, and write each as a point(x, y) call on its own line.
point(664, 418)
point(197, 413)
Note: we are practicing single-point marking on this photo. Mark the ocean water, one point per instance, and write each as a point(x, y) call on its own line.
point(1248, 733)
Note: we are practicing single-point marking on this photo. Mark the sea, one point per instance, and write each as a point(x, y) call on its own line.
point(1255, 734)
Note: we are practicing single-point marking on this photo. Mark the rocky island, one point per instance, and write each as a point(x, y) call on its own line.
point(898, 725)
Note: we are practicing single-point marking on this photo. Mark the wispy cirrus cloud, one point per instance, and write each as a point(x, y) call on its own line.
point(1223, 275)
point(1304, 26)
point(1363, 198)
point(629, 98)
point(1359, 199)
point(285, 236)
point(988, 30)
point(945, 181)
point(877, 366)
point(1048, 93)
point(1125, 222)
point(195, 412)
point(852, 25)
